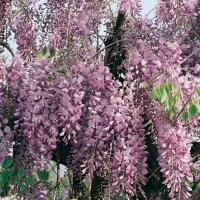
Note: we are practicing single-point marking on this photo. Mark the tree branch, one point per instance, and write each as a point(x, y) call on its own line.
point(190, 55)
point(4, 44)
point(177, 117)
point(107, 47)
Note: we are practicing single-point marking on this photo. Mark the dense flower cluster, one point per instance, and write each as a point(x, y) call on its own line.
point(56, 90)
point(174, 150)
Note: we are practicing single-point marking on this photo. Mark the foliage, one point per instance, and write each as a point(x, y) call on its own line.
point(13, 178)
point(119, 110)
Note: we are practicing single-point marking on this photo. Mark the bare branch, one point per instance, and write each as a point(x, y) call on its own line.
point(107, 47)
point(190, 55)
point(4, 44)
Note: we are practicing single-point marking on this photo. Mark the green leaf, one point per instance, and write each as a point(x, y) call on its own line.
point(172, 112)
point(168, 87)
point(5, 191)
point(20, 172)
point(198, 91)
point(43, 175)
point(176, 97)
point(185, 116)
point(5, 174)
point(7, 162)
point(22, 186)
point(193, 110)
point(164, 96)
point(153, 94)
point(169, 103)
point(11, 171)
point(44, 50)
point(3, 182)
point(198, 186)
point(52, 53)
point(14, 180)
point(159, 92)
point(30, 180)
point(49, 197)
point(40, 53)
point(192, 21)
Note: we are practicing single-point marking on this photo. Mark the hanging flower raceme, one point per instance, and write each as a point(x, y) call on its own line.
point(11, 79)
point(94, 121)
point(6, 134)
point(23, 27)
point(129, 159)
point(111, 126)
point(50, 108)
point(56, 91)
point(174, 150)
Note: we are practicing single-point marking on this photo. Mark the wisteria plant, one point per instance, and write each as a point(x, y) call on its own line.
point(110, 94)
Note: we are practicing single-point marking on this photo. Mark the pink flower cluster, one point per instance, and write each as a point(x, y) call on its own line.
point(174, 150)
point(71, 97)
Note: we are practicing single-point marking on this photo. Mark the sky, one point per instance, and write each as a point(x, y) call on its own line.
point(148, 5)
